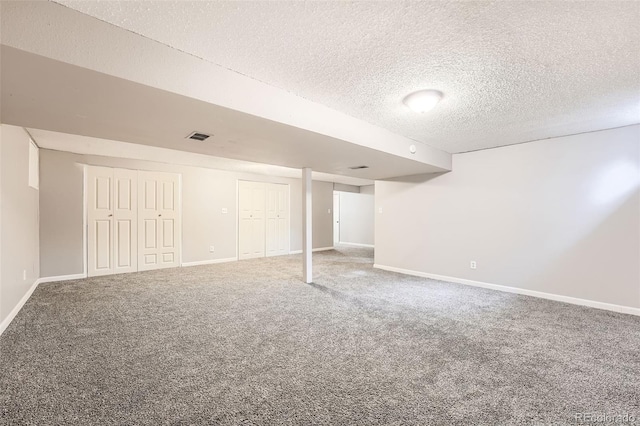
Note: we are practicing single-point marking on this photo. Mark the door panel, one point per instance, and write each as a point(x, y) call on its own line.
point(160, 216)
point(103, 190)
point(168, 195)
point(99, 221)
point(150, 234)
point(124, 193)
point(150, 193)
point(251, 219)
point(167, 233)
point(258, 237)
point(103, 245)
point(123, 248)
point(125, 217)
point(277, 233)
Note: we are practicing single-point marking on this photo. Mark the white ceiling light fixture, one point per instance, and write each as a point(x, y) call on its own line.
point(422, 100)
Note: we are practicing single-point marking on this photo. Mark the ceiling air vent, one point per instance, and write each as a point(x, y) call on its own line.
point(358, 167)
point(197, 136)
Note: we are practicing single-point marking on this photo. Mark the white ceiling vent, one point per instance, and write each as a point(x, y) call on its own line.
point(358, 167)
point(198, 136)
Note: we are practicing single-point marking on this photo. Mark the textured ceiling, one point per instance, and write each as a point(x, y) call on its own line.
point(511, 71)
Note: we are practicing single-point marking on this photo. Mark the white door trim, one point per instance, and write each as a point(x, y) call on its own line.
point(85, 222)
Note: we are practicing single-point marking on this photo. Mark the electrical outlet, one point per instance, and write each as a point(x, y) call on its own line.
point(380, 210)
point(212, 249)
point(473, 264)
point(24, 274)
point(224, 210)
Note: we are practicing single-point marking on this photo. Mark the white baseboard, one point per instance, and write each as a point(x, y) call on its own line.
point(210, 262)
point(313, 250)
point(61, 278)
point(320, 249)
point(4, 324)
point(342, 243)
point(556, 297)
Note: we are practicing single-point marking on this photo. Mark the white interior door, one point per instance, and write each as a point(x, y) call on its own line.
point(99, 221)
point(125, 221)
point(251, 219)
point(277, 222)
point(158, 220)
point(336, 218)
point(111, 221)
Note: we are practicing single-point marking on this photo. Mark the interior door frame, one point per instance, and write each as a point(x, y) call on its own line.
point(85, 213)
point(85, 221)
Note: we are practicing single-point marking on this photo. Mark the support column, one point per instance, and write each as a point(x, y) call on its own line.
point(307, 272)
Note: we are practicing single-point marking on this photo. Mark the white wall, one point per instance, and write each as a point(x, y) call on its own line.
point(19, 249)
point(356, 218)
point(559, 216)
point(204, 193)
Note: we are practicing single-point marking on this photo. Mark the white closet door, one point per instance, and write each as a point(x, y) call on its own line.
point(158, 220)
point(112, 221)
point(251, 220)
point(99, 221)
point(125, 221)
point(277, 211)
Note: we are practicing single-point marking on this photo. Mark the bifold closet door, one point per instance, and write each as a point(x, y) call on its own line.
point(277, 211)
point(111, 221)
point(251, 219)
point(158, 220)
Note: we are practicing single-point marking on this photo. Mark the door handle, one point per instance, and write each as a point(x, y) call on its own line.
point(110, 215)
point(159, 215)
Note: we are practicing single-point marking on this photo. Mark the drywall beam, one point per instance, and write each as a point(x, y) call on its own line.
point(307, 266)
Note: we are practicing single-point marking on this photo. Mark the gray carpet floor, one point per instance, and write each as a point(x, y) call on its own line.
point(246, 343)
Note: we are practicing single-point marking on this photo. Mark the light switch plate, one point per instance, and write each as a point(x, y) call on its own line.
point(224, 210)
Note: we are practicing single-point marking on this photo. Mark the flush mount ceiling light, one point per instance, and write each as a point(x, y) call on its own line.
point(422, 100)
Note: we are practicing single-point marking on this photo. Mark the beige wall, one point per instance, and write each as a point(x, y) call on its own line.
point(368, 189)
point(19, 215)
point(322, 206)
point(356, 218)
point(345, 188)
point(559, 216)
point(204, 193)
